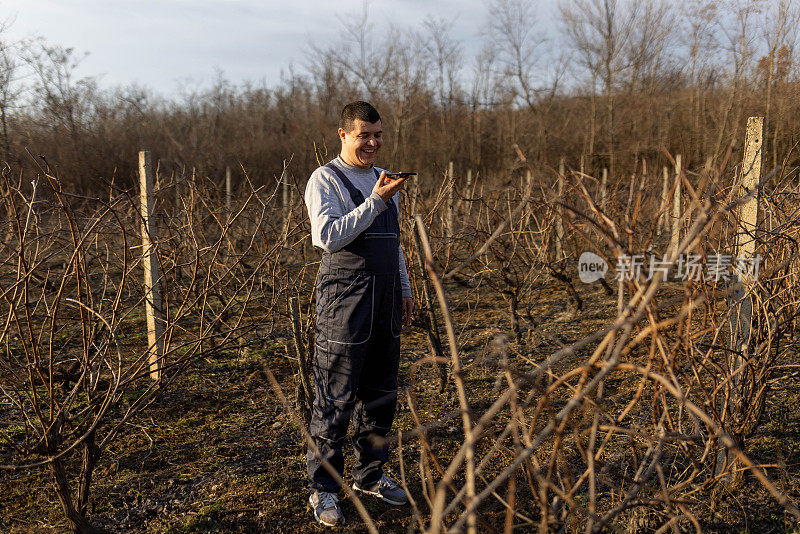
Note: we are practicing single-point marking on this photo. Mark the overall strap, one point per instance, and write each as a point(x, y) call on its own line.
point(355, 194)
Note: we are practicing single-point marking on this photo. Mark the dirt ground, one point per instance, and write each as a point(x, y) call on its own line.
point(218, 453)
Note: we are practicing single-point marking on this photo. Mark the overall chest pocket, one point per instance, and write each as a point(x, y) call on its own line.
point(345, 306)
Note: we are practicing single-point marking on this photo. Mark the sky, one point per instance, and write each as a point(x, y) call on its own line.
point(169, 43)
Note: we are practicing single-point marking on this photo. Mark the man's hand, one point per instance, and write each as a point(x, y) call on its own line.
point(386, 187)
point(408, 307)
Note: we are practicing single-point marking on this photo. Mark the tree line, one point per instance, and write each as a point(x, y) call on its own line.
point(603, 84)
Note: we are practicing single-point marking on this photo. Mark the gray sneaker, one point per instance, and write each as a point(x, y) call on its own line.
point(386, 489)
point(326, 508)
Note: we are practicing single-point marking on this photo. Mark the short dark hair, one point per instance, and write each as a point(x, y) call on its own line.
point(358, 110)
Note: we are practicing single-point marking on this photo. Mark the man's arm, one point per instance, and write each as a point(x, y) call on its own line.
point(332, 228)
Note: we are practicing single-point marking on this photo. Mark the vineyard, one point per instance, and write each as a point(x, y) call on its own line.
point(655, 398)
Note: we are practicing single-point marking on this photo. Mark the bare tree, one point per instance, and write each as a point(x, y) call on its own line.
point(737, 26)
point(10, 89)
point(650, 39)
point(63, 96)
point(484, 93)
point(519, 44)
point(366, 58)
point(600, 32)
point(698, 18)
point(780, 38)
point(445, 54)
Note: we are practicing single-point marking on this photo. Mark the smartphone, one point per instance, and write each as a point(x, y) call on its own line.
point(394, 175)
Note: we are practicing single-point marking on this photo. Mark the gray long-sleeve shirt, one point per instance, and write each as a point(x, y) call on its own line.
point(335, 220)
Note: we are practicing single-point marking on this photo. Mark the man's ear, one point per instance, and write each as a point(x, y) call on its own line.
point(341, 134)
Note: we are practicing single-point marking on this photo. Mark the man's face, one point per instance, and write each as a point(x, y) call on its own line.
point(361, 144)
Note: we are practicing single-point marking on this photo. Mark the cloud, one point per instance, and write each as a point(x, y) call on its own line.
point(155, 43)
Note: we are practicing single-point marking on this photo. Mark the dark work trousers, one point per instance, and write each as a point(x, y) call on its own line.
point(357, 349)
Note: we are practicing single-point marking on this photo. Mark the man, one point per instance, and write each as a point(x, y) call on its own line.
point(363, 296)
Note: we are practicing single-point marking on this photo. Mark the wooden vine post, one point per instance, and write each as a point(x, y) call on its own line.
point(469, 190)
point(284, 181)
point(662, 208)
point(747, 217)
point(559, 212)
point(603, 188)
point(228, 189)
point(740, 301)
point(153, 310)
point(413, 191)
point(674, 240)
point(527, 211)
point(449, 217)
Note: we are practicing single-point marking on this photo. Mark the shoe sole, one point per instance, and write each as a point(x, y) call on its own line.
point(379, 495)
point(317, 518)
